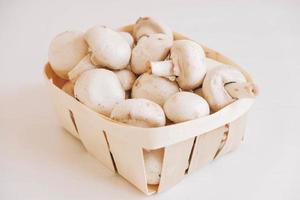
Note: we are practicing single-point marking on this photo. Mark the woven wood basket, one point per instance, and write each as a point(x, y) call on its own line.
point(187, 146)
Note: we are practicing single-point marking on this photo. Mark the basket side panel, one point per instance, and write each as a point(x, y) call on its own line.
point(129, 161)
point(63, 111)
point(175, 163)
point(93, 138)
point(235, 135)
point(205, 148)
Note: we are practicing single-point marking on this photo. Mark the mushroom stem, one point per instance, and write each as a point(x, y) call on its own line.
point(241, 90)
point(84, 65)
point(163, 68)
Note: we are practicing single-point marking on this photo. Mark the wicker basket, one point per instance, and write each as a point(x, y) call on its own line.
point(187, 146)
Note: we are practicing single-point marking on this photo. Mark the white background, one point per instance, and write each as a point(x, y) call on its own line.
point(39, 160)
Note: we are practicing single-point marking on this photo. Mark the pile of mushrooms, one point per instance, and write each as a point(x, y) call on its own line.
point(144, 78)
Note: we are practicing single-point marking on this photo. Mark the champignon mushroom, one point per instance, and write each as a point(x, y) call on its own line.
point(153, 165)
point(139, 112)
point(126, 78)
point(84, 65)
point(185, 106)
point(99, 89)
point(146, 25)
point(109, 48)
point(153, 47)
point(222, 82)
point(68, 87)
point(128, 37)
point(65, 51)
point(154, 88)
point(187, 64)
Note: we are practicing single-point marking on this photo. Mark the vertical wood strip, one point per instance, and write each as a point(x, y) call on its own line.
point(175, 163)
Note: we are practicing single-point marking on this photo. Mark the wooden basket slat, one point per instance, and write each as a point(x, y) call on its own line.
point(63, 111)
point(129, 161)
point(93, 138)
point(235, 135)
point(205, 148)
point(175, 163)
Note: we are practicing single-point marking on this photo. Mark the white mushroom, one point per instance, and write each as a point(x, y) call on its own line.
point(222, 82)
point(109, 48)
point(126, 78)
point(128, 37)
point(184, 106)
point(147, 25)
point(139, 112)
point(65, 51)
point(99, 89)
point(154, 88)
point(153, 165)
point(84, 65)
point(187, 64)
point(68, 87)
point(153, 47)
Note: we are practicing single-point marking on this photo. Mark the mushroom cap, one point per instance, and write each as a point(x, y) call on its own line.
point(147, 25)
point(153, 165)
point(109, 48)
point(185, 106)
point(68, 87)
point(128, 37)
point(139, 112)
point(65, 51)
point(214, 82)
point(153, 47)
point(154, 88)
point(126, 78)
point(99, 89)
point(83, 65)
point(189, 63)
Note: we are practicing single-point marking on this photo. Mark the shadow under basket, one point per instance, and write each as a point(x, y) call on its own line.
point(187, 146)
